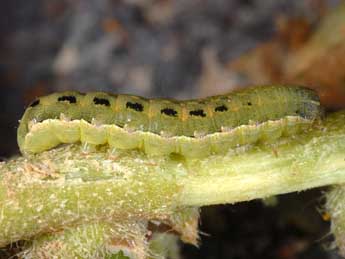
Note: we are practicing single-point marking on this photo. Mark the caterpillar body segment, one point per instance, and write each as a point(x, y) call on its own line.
point(193, 128)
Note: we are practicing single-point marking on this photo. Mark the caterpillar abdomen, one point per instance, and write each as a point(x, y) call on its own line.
point(193, 128)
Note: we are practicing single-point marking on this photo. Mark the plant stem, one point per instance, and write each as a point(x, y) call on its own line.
point(71, 186)
point(310, 160)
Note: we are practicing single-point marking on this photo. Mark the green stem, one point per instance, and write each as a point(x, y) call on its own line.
point(310, 160)
point(97, 240)
point(70, 186)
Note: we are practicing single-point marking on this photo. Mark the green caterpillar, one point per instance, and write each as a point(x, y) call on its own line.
point(193, 128)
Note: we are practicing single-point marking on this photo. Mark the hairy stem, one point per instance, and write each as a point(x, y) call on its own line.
point(96, 240)
point(71, 186)
point(313, 159)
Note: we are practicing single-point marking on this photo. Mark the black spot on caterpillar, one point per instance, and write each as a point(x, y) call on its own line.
point(221, 108)
point(35, 103)
point(70, 98)
point(135, 106)
point(101, 101)
point(199, 112)
point(193, 128)
point(169, 112)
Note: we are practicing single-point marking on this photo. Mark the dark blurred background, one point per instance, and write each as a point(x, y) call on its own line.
point(180, 49)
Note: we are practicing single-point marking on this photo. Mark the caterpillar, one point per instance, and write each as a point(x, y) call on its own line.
point(192, 128)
